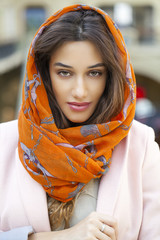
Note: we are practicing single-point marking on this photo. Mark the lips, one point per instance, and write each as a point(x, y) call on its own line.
point(76, 106)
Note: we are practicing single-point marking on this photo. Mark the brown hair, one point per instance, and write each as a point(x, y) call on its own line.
point(59, 213)
point(80, 26)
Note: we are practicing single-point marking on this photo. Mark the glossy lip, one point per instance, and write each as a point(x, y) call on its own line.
point(76, 106)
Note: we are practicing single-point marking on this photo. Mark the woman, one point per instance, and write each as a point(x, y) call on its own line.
point(83, 169)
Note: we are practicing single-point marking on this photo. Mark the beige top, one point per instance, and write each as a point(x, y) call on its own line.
point(85, 203)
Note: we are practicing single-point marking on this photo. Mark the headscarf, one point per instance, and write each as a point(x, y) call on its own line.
point(63, 161)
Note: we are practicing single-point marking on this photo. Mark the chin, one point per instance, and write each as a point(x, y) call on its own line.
point(77, 122)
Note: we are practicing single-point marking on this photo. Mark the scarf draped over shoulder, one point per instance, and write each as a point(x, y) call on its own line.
point(63, 161)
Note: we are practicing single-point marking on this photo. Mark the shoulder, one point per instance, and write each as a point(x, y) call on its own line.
point(9, 132)
point(140, 128)
point(141, 133)
point(8, 126)
point(141, 142)
point(8, 141)
point(138, 145)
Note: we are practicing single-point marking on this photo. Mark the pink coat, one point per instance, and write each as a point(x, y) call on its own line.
point(130, 191)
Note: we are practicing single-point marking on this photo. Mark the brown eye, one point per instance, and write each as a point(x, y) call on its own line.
point(64, 73)
point(95, 73)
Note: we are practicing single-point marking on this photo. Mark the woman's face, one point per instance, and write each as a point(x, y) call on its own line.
point(78, 78)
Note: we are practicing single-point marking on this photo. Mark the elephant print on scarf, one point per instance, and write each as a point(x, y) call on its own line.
point(90, 130)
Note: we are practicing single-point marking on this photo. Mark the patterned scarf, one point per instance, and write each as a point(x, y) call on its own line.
point(63, 161)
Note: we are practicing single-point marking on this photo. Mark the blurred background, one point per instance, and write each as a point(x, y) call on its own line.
point(138, 20)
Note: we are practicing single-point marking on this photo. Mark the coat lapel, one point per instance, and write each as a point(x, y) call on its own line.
point(33, 198)
point(111, 182)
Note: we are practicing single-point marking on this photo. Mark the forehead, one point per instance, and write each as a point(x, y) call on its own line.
point(77, 51)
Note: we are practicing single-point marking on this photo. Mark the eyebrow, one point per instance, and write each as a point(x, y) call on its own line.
point(97, 65)
point(67, 66)
point(62, 65)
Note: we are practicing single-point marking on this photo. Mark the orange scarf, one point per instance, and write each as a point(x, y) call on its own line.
point(63, 161)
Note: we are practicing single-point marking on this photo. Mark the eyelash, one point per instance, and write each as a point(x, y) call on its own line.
point(66, 74)
point(95, 73)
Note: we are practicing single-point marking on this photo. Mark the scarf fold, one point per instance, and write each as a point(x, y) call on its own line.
point(63, 161)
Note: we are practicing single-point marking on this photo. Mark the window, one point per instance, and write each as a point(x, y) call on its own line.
point(139, 27)
point(35, 16)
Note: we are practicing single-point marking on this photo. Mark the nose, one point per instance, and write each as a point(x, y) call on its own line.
point(79, 90)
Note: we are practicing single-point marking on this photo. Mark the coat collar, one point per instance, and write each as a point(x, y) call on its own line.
point(33, 198)
point(110, 183)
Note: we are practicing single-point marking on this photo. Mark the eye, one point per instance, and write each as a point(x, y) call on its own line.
point(64, 73)
point(95, 73)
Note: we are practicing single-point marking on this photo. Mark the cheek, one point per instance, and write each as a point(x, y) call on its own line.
point(56, 87)
point(100, 89)
point(60, 90)
point(57, 91)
